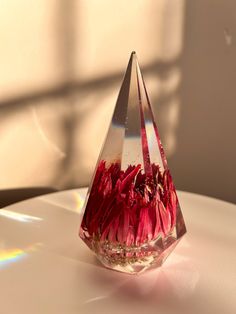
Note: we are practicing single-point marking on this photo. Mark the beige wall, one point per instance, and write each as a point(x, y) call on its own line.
point(204, 160)
point(61, 68)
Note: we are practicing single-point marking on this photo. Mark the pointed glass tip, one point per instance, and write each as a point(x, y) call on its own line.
point(132, 218)
point(133, 56)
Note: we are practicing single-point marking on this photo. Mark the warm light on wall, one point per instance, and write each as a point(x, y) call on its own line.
point(82, 49)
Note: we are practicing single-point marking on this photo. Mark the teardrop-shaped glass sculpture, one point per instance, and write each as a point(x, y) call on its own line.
point(132, 218)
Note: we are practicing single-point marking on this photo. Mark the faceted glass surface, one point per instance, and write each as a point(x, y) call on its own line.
point(132, 218)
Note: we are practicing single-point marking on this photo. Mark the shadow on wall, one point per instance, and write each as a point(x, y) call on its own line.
point(52, 135)
point(60, 89)
point(204, 161)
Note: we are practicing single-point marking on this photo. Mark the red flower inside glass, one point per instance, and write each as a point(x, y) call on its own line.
point(132, 218)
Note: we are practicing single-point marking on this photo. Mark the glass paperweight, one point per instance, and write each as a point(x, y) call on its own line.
point(132, 218)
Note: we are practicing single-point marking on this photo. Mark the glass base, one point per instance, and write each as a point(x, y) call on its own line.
point(133, 259)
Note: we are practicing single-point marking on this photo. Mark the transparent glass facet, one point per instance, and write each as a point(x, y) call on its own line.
point(132, 218)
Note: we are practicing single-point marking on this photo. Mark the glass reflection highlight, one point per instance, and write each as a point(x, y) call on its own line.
point(79, 202)
point(18, 216)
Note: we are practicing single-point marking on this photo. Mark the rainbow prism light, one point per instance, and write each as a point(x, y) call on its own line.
point(132, 218)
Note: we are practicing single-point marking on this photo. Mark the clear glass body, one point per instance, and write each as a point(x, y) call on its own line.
point(132, 218)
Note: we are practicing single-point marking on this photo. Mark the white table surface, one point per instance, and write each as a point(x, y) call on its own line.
point(46, 268)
